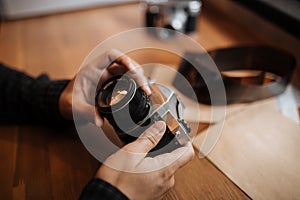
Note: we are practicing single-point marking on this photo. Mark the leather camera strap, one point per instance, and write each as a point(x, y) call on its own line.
point(273, 70)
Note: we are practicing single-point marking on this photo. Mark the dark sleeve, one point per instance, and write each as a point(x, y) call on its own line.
point(27, 99)
point(100, 189)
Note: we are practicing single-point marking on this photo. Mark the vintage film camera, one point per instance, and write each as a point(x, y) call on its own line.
point(130, 111)
point(178, 15)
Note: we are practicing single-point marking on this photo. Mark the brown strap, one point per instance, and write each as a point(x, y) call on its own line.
point(274, 66)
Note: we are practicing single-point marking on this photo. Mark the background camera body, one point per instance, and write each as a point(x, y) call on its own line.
point(162, 105)
point(178, 15)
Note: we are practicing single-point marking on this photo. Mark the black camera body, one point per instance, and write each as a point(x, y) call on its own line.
point(130, 111)
point(178, 15)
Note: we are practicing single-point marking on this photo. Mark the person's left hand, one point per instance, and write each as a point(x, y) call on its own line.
point(83, 86)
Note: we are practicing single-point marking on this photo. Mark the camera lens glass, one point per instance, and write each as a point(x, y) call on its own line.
point(119, 100)
point(116, 96)
point(114, 92)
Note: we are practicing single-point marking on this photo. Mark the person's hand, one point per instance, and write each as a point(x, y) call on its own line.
point(141, 177)
point(83, 86)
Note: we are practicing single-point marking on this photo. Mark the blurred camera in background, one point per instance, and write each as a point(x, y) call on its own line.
point(178, 15)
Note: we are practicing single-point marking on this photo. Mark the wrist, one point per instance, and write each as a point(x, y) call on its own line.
point(65, 102)
point(100, 189)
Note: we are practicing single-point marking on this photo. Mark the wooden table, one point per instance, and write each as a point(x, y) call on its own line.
point(39, 162)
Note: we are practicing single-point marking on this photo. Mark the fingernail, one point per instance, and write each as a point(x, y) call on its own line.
point(159, 126)
point(147, 89)
point(132, 67)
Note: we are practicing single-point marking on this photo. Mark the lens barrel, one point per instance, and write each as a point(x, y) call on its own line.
point(118, 99)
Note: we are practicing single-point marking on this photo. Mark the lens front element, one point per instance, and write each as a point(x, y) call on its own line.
point(123, 104)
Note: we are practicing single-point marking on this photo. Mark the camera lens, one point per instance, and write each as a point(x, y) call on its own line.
point(119, 99)
point(112, 93)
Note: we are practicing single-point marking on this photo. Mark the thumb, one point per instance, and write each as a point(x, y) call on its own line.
point(148, 139)
point(86, 112)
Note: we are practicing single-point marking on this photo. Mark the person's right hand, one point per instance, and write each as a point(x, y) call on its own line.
point(141, 177)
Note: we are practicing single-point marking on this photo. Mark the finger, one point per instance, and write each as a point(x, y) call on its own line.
point(141, 80)
point(118, 63)
point(176, 159)
point(97, 118)
point(122, 59)
point(86, 112)
point(133, 68)
point(186, 157)
point(148, 139)
point(106, 59)
point(166, 186)
point(170, 183)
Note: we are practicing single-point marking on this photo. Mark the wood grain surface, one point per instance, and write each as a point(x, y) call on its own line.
point(39, 162)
